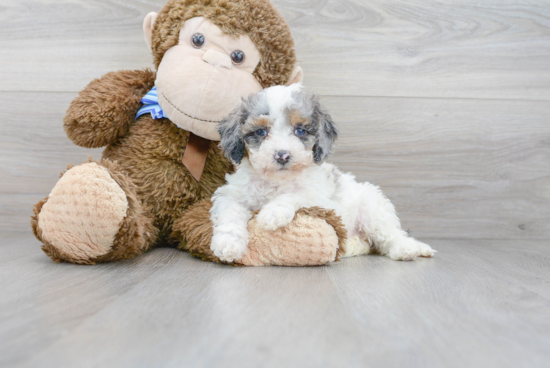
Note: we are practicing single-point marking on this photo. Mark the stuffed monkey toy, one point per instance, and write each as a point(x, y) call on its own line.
point(162, 163)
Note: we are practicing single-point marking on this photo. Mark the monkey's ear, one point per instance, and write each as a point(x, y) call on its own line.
point(296, 77)
point(327, 133)
point(148, 24)
point(232, 140)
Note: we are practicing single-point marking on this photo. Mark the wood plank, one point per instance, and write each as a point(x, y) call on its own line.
point(453, 168)
point(34, 146)
point(415, 48)
point(424, 48)
point(62, 45)
point(69, 43)
point(56, 298)
point(478, 303)
point(464, 298)
point(34, 150)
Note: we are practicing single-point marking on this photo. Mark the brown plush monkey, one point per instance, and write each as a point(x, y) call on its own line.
point(153, 184)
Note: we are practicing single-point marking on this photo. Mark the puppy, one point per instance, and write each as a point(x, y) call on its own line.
point(279, 139)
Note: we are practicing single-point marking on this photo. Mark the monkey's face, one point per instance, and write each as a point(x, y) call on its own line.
point(203, 77)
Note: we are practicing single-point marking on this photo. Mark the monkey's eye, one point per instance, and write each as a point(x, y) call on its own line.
point(300, 132)
point(197, 40)
point(261, 132)
point(237, 57)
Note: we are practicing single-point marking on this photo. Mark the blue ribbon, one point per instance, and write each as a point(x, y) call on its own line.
point(151, 105)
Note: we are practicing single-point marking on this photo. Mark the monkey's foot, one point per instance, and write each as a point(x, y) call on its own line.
point(309, 240)
point(90, 217)
point(314, 237)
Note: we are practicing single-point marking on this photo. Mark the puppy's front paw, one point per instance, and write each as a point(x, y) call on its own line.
point(408, 249)
point(274, 217)
point(229, 247)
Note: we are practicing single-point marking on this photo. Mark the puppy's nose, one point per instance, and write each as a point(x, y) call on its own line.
point(282, 157)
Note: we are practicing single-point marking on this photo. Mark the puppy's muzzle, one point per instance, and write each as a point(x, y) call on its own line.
point(282, 157)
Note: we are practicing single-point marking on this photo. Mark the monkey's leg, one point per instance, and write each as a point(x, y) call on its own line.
point(315, 237)
point(92, 215)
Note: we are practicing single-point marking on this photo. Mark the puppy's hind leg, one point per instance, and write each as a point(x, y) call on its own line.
point(378, 222)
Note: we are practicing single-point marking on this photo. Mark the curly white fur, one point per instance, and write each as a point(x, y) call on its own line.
point(261, 183)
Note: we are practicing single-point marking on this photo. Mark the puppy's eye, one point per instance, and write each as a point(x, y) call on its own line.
point(300, 132)
point(237, 57)
point(198, 40)
point(261, 132)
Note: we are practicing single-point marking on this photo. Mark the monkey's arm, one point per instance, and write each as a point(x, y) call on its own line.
point(105, 109)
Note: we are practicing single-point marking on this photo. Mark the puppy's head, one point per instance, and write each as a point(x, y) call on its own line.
point(282, 130)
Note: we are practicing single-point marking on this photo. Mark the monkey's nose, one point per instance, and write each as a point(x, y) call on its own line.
point(217, 59)
point(282, 157)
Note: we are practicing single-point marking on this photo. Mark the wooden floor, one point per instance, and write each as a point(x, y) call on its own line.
point(480, 303)
point(444, 104)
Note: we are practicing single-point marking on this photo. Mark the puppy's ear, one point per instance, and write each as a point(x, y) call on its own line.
point(326, 133)
point(232, 140)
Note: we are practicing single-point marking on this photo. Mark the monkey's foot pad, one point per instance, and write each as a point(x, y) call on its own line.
point(84, 212)
point(313, 238)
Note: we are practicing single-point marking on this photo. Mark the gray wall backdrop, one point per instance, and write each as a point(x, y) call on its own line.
point(444, 104)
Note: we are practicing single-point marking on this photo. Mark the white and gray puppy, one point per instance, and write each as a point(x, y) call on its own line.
point(280, 138)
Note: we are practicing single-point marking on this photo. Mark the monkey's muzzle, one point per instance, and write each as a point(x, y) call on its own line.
point(197, 93)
